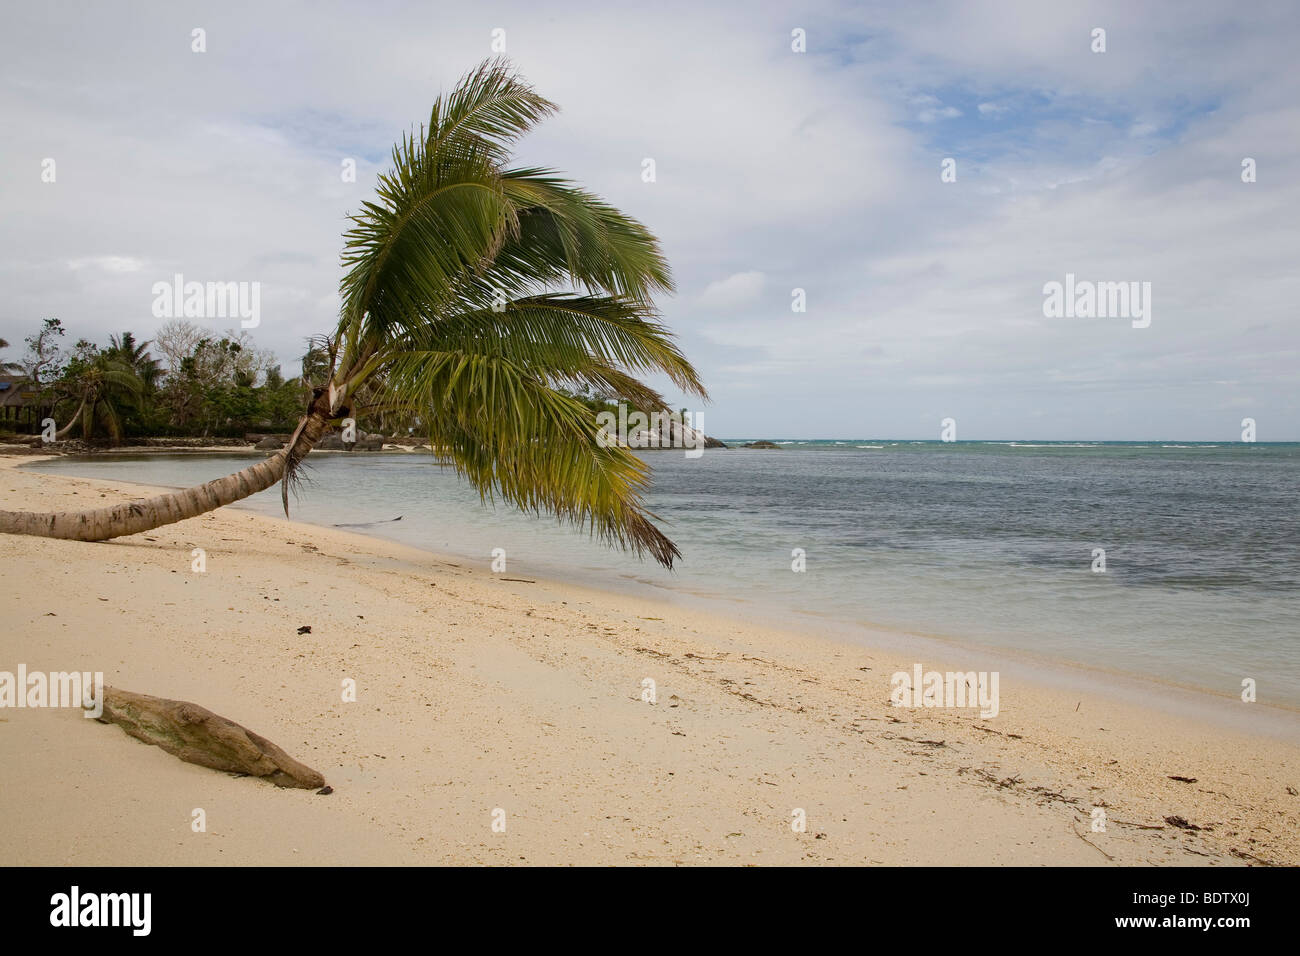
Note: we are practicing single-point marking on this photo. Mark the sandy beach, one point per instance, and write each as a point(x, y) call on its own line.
point(479, 692)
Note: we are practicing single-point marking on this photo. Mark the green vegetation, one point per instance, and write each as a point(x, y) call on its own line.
point(203, 385)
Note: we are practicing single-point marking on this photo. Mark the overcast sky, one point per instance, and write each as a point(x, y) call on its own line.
point(775, 170)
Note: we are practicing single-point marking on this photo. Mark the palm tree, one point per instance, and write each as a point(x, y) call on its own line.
point(455, 301)
point(147, 368)
point(104, 387)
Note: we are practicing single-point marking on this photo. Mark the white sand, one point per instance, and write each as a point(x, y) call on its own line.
point(477, 693)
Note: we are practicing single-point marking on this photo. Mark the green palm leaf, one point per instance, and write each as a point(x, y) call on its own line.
point(513, 436)
point(473, 293)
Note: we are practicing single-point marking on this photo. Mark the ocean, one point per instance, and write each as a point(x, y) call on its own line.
point(992, 544)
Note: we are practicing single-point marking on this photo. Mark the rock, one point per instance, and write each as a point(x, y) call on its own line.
point(760, 444)
point(197, 735)
point(269, 444)
point(671, 433)
point(365, 442)
point(330, 443)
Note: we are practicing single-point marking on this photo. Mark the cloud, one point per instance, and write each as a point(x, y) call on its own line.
point(775, 169)
point(110, 264)
point(930, 116)
point(742, 288)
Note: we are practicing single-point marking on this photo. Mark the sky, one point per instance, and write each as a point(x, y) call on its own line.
point(775, 170)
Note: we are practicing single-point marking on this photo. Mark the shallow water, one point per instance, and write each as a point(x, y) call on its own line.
point(984, 542)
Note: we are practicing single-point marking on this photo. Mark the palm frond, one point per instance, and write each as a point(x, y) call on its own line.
point(443, 212)
point(569, 234)
point(563, 333)
point(490, 108)
point(513, 436)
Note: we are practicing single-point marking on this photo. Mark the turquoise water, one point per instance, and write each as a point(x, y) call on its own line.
point(984, 542)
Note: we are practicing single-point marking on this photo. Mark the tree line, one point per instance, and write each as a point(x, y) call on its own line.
point(186, 381)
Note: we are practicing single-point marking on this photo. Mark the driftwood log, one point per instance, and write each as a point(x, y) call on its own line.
point(197, 735)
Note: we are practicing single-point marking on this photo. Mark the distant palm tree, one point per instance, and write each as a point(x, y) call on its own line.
point(146, 367)
point(450, 303)
point(103, 386)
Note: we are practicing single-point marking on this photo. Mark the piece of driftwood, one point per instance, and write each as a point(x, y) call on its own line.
point(197, 735)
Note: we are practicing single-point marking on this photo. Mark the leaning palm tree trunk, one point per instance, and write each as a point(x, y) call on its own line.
point(62, 433)
point(116, 521)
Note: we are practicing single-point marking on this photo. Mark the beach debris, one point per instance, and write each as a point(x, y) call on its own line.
point(1181, 823)
point(1091, 844)
point(1046, 796)
point(1293, 791)
point(305, 629)
point(324, 791)
point(519, 580)
point(1005, 783)
point(1135, 826)
point(367, 524)
point(990, 730)
point(1182, 779)
point(196, 735)
point(1243, 855)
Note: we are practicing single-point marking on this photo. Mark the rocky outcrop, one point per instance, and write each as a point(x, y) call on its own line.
point(269, 444)
point(672, 434)
point(760, 444)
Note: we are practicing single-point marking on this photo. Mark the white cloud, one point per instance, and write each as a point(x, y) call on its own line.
point(109, 264)
point(930, 116)
point(742, 288)
point(779, 170)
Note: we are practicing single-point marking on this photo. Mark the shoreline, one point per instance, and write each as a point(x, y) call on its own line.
point(1164, 694)
point(525, 694)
